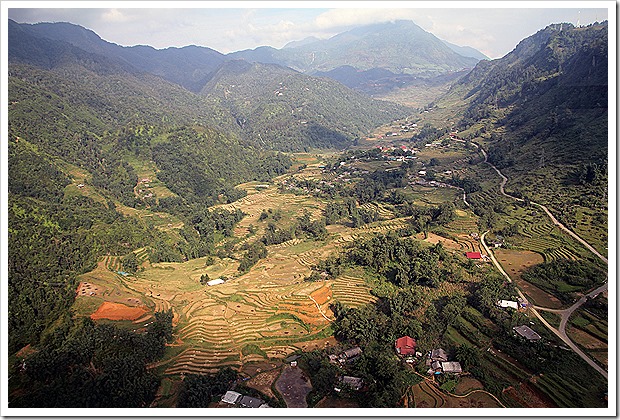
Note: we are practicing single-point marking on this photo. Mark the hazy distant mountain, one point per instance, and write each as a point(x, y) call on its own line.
point(280, 108)
point(189, 66)
point(305, 41)
point(401, 47)
point(466, 51)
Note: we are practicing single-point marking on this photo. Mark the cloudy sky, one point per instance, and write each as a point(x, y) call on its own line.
point(493, 28)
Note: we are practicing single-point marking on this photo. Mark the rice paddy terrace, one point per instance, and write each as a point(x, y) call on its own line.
point(266, 313)
point(270, 311)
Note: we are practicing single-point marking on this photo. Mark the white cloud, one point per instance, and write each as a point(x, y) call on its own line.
point(494, 31)
point(114, 15)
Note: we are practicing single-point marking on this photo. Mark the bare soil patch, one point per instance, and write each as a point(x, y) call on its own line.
point(515, 262)
point(527, 396)
point(322, 295)
point(118, 312)
point(88, 289)
point(585, 339)
point(263, 381)
point(448, 243)
point(467, 384)
point(294, 386)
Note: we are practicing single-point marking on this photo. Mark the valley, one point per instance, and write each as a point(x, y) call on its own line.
point(415, 226)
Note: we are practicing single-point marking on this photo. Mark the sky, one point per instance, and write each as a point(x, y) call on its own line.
point(494, 28)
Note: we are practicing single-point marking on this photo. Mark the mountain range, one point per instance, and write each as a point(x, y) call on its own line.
point(374, 53)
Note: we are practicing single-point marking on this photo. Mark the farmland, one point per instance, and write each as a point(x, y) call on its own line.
point(255, 318)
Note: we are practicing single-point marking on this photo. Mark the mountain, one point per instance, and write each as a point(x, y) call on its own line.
point(372, 59)
point(281, 108)
point(384, 56)
point(466, 51)
point(542, 111)
point(189, 66)
point(150, 71)
point(401, 47)
point(305, 41)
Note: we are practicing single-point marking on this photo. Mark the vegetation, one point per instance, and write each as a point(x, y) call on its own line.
point(83, 364)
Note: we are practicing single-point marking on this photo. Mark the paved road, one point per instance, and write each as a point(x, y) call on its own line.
point(565, 313)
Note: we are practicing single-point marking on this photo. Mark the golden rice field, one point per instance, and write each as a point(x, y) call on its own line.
point(266, 313)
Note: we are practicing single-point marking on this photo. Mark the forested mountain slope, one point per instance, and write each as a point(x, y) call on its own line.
point(189, 66)
point(543, 111)
point(279, 108)
point(81, 128)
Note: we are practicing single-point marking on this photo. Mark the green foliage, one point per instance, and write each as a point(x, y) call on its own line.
point(202, 390)
point(403, 261)
point(83, 364)
point(130, 263)
point(281, 109)
point(323, 375)
point(255, 252)
point(275, 235)
point(564, 277)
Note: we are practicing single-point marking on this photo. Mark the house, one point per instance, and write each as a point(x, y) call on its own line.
point(351, 381)
point(527, 332)
point(473, 255)
point(231, 397)
point(451, 367)
point(250, 402)
point(438, 355)
point(214, 282)
point(405, 346)
point(436, 366)
point(507, 304)
point(350, 354)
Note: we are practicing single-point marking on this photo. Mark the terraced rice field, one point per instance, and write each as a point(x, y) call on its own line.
point(351, 291)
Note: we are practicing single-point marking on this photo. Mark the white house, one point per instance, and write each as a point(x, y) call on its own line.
point(214, 282)
point(507, 304)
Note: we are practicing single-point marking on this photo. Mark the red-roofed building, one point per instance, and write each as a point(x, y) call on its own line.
point(405, 346)
point(473, 255)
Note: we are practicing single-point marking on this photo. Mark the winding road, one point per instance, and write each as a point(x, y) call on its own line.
point(564, 313)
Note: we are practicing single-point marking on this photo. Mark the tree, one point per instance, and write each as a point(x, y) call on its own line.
point(130, 263)
point(204, 279)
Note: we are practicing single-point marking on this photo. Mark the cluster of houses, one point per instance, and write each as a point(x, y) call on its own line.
point(145, 184)
point(237, 400)
point(437, 359)
point(438, 363)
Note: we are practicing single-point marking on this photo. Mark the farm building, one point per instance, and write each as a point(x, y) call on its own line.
point(507, 304)
point(438, 355)
point(451, 367)
point(350, 354)
point(214, 282)
point(231, 397)
point(405, 346)
point(527, 332)
point(473, 255)
point(351, 381)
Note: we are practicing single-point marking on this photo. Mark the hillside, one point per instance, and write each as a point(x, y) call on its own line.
point(542, 113)
point(279, 108)
point(189, 66)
